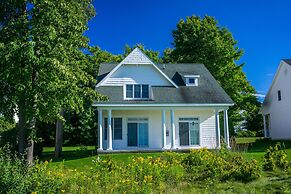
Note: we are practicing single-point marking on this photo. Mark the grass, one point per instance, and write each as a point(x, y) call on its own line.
point(81, 158)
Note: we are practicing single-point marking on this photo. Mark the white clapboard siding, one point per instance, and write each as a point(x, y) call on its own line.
point(280, 111)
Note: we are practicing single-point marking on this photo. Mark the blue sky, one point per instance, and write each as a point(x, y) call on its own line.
point(261, 27)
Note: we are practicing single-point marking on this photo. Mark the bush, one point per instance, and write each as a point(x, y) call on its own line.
point(246, 133)
point(206, 165)
point(17, 177)
point(8, 132)
point(275, 157)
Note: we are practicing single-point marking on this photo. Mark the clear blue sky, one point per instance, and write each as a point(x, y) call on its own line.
point(261, 27)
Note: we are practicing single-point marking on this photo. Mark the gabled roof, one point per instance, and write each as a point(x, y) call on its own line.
point(135, 57)
point(283, 61)
point(208, 90)
point(288, 61)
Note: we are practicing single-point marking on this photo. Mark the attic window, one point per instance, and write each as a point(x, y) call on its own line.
point(192, 80)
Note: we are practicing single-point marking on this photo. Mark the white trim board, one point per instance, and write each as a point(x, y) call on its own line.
point(125, 61)
point(161, 105)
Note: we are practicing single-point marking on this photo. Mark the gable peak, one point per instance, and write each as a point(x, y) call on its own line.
point(136, 57)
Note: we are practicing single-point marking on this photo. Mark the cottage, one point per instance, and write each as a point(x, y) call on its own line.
point(159, 106)
point(276, 108)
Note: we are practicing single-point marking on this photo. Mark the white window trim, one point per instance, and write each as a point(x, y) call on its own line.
point(133, 98)
point(195, 77)
point(200, 135)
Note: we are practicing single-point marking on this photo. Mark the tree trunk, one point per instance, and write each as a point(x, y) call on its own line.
point(59, 135)
point(21, 132)
point(30, 147)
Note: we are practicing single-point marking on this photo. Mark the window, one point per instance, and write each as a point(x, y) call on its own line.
point(192, 80)
point(129, 91)
point(189, 131)
point(136, 91)
point(116, 124)
point(279, 95)
point(145, 91)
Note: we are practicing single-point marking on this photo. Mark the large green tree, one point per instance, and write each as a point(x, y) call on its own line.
point(43, 66)
point(202, 40)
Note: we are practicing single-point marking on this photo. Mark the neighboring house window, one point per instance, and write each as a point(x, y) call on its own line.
point(116, 124)
point(191, 80)
point(279, 95)
point(136, 91)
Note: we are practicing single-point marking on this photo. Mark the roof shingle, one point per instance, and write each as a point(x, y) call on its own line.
point(208, 90)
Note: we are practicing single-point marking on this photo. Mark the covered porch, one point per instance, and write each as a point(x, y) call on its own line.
point(158, 128)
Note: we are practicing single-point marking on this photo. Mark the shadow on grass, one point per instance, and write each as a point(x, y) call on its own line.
point(261, 145)
point(68, 155)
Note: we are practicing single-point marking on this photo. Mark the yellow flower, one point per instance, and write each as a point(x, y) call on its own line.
point(33, 192)
point(62, 191)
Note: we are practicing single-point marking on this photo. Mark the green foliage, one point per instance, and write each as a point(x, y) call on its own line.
point(140, 175)
point(43, 67)
point(202, 40)
point(8, 132)
point(81, 128)
point(17, 177)
point(206, 165)
point(275, 157)
point(246, 133)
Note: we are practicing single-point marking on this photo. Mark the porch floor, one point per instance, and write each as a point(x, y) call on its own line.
point(144, 150)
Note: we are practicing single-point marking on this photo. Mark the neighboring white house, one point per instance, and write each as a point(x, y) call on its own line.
point(276, 108)
point(159, 106)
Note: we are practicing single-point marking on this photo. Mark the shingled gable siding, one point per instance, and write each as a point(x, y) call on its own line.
point(206, 119)
point(141, 74)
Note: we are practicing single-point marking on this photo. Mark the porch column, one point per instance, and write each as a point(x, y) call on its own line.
point(100, 128)
point(109, 131)
point(265, 127)
point(173, 129)
point(217, 129)
point(164, 137)
point(226, 128)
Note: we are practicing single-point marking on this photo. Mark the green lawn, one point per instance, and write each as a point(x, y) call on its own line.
point(81, 157)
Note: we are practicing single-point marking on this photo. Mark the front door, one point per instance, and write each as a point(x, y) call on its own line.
point(189, 131)
point(137, 135)
point(184, 133)
point(132, 134)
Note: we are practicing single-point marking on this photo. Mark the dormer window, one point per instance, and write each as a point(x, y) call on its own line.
point(192, 80)
point(136, 91)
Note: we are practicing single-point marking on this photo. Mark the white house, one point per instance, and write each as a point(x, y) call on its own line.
point(159, 106)
point(276, 108)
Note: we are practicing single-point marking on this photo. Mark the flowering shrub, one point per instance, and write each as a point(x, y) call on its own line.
point(17, 177)
point(139, 175)
point(205, 165)
point(275, 157)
